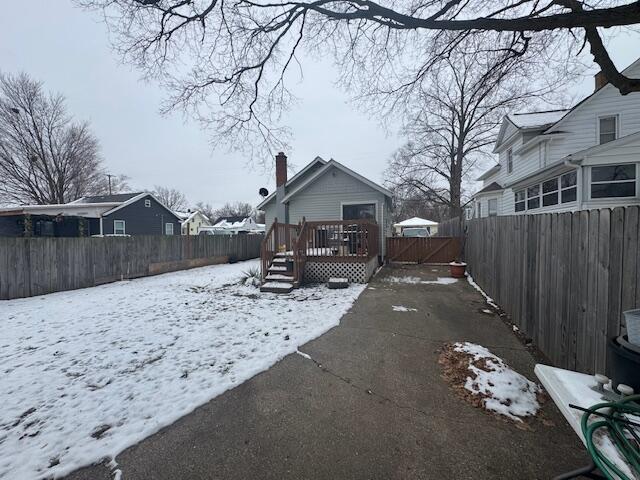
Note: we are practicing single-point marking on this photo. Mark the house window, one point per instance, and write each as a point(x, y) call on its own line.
point(361, 211)
point(493, 207)
point(568, 188)
point(533, 197)
point(510, 160)
point(168, 228)
point(607, 128)
point(479, 210)
point(118, 227)
point(550, 192)
point(521, 205)
point(147, 203)
point(609, 181)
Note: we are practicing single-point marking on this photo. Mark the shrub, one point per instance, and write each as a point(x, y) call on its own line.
point(251, 277)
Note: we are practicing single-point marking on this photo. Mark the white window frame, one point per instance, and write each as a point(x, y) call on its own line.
point(564, 189)
point(605, 199)
point(166, 228)
point(556, 192)
point(510, 161)
point(617, 126)
point(124, 227)
point(147, 202)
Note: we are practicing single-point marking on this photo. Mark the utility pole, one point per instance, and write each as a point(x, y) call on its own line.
point(109, 177)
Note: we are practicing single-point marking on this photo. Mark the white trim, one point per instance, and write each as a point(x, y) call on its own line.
point(604, 200)
point(616, 116)
point(124, 227)
point(167, 224)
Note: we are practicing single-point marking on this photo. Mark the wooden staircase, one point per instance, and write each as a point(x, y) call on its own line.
point(279, 277)
point(283, 255)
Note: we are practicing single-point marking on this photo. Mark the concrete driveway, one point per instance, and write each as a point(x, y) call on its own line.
point(370, 404)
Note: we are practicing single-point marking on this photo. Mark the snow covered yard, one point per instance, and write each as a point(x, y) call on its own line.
point(89, 372)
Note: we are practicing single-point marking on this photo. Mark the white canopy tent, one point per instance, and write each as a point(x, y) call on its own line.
point(416, 222)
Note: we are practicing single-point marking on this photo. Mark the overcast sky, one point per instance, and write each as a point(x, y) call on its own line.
point(68, 49)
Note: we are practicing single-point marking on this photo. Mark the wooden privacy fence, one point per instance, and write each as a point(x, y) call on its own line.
point(564, 278)
point(35, 266)
point(422, 249)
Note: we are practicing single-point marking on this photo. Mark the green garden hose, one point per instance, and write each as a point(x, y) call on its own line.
point(624, 435)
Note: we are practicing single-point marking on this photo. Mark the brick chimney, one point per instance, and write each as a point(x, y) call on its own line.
point(601, 80)
point(281, 169)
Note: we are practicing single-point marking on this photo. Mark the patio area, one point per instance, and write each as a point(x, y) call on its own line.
point(366, 401)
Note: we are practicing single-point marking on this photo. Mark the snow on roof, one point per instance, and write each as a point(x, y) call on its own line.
point(415, 222)
point(536, 119)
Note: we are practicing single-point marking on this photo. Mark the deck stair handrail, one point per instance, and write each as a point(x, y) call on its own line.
point(280, 238)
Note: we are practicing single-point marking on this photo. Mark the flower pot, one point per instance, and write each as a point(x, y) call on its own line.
point(457, 269)
point(624, 362)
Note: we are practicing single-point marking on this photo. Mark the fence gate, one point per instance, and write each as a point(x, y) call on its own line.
point(423, 249)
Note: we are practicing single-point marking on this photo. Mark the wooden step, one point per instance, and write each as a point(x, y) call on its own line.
point(277, 268)
point(279, 277)
point(276, 287)
point(281, 260)
point(284, 255)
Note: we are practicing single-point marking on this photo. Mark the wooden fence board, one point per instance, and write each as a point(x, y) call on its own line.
point(565, 278)
point(36, 266)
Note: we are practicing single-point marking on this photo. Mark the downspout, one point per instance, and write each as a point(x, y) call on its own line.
point(101, 233)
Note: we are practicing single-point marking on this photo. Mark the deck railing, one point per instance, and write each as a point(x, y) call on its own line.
point(344, 240)
point(281, 237)
point(320, 241)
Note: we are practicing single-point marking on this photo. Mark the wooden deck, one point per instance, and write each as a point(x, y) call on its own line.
point(319, 241)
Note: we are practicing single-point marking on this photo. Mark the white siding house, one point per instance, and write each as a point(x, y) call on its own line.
point(567, 160)
point(326, 191)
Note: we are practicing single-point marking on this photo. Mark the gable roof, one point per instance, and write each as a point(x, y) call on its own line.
point(633, 65)
point(536, 119)
point(292, 180)
point(489, 172)
point(116, 197)
point(140, 196)
point(492, 187)
point(333, 163)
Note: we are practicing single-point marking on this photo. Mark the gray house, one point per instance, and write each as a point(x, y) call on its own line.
point(326, 221)
point(120, 214)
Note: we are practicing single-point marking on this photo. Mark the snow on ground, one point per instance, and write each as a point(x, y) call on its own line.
point(506, 391)
point(418, 280)
point(488, 299)
point(87, 373)
point(402, 308)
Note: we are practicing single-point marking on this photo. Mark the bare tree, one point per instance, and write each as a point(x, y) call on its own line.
point(45, 156)
point(453, 118)
point(171, 198)
point(236, 54)
point(235, 209)
point(206, 209)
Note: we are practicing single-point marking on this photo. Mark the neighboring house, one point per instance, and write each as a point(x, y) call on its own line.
point(335, 217)
point(431, 227)
point(193, 222)
point(234, 226)
point(567, 160)
point(119, 214)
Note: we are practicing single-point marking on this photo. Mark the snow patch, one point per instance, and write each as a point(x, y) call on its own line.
point(86, 373)
point(418, 280)
point(487, 298)
point(302, 354)
point(402, 308)
point(506, 391)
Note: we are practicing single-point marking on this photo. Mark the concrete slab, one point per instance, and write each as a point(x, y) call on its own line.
point(371, 404)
